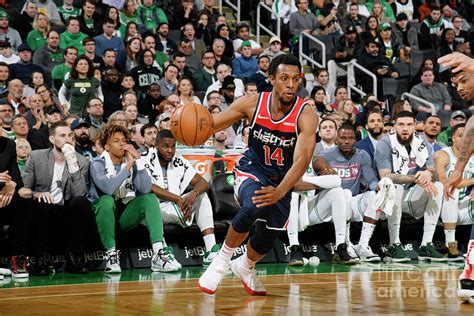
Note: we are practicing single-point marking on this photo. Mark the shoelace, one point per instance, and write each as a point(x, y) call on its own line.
point(253, 278)
point(112, 257)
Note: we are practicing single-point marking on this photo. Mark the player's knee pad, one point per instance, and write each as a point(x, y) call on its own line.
point(245, 218)
point(263, 239)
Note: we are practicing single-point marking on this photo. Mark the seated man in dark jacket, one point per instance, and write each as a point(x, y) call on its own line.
point(376, 63)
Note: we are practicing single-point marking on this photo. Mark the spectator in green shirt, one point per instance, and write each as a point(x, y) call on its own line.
point(73, 36)
point(151, 15)
point(37, 37)
point(59, 72)
point(445, 137)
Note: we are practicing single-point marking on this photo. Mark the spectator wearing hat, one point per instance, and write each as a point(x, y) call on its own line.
point(260, 78)
point(83, 144)
point(445, 137)
point(163, 121)
point(224, 70)
point(245, 65)
point(6, 53)
point(151, 15)
point(163, 43)
point(347, 48)
point(274, 49)
point(73, 36)
point(353, 18)
point(389, 45)
point(8, 33)
point(243, 34)
point(24, 68)
point(405, 33)
point(431, 91)
point(206, 74)
point(228, 92)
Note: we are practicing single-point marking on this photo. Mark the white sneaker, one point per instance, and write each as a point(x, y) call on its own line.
point(351, 252)
point(210, 255)
point(209, 281)
point(4, 271)
point(164, 261)
point(366, 254)
point(249, 277)
point(112, 262)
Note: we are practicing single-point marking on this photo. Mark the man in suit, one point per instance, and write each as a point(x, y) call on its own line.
point(374, 126)
point(14, 210)
point(58, 177)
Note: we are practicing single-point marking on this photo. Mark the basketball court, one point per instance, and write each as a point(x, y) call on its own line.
point(376, 288)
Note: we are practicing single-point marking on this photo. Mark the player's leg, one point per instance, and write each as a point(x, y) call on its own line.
point(237, 233)
point(330, 205)
point(395, 250)
point(363, 204)
point(147, 207)
point(419, 204)
point(298, 209)
point(202, 209)
point(350, 247)
point(466, 279)
point(451, 216)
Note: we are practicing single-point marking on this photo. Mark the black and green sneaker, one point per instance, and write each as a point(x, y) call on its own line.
point(342, 256)
point(430, 253)
point(395, 253)
point(453, 252)
point(296, 256)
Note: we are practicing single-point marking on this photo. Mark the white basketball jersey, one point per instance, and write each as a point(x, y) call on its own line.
point(468, 170)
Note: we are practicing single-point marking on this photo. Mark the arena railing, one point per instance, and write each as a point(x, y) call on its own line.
point(236, 7)
point(314, 41)
point(418, 99)
point(351, 75)
point(261, 26)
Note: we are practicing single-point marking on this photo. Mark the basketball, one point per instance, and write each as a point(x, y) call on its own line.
point(191, 124)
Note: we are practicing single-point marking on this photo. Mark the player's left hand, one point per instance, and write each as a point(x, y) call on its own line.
point(189, 199)
point(266, 196)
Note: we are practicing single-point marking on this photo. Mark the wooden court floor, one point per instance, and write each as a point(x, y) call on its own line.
point(363, 289)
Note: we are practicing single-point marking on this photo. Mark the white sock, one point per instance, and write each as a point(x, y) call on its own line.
point(428, 232)
point(157, 246)
point(366, 234)
point(338, 212)
point(110, 249)
point(393, 222)
point(348, 232)
point(293, 239)
point(450, 235)
point(226, 252)
point(246, 262)
point(209, 241)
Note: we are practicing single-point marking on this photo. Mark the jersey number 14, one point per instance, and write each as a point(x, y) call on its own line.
point(277, 156)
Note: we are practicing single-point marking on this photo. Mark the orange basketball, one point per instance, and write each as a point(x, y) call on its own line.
point(191, 124)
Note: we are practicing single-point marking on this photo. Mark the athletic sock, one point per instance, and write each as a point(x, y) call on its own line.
point(366, 234)
point(293, 239)
point(209, 241)
point(226, 252)
point(431, 219)
point(246, 262)
point(450, 235)
point(157, 246)
point(348, 232)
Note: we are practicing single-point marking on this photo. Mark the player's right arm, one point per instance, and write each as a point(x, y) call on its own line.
point(465, 152)
point(242, 107)
point(457, 61)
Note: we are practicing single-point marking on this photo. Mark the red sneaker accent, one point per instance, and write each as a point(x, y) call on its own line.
point(205, 290)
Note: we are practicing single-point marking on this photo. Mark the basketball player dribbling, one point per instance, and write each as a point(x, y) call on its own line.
point(280, 147)
point(464, 72)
